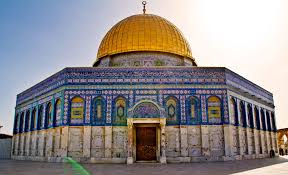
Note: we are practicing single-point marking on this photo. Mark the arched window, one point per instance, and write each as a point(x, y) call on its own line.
point(193, 111)
point(273, 122)
point(49, 116)
point(250, 116)
point(77, 109)
point(33, 119)
point(214, 107)
point(194, 108)
point(40, 117)
point(263, 120)
point(58, 112)
point(99, 110)
point(268, 121)
point(16, 124)
point(256, 114)
point(234, 112)
point(171, 106)
point(27, 119)
point(120, 111)
point(21, 124)
point(243, 114)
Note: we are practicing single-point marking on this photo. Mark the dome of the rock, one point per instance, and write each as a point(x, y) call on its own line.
point(144, 32)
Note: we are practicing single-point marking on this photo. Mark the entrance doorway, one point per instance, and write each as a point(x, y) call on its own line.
point(146, 143)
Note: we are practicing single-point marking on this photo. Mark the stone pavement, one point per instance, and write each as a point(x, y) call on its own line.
point(275, 166)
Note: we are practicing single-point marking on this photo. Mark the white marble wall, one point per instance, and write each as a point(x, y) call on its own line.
point(75, 142)
point(216, 140)
point(172, 136)
point(119, 143)
point(98, 141)
point(194, 141)
point(107, 143)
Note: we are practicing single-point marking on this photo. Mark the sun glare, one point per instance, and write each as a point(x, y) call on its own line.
point(239, 23)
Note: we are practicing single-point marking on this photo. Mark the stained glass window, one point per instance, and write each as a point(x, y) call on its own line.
point(33, 119)
point(214, 107)
point(250, 116)
point(268, 121)
point(21, 124)
point(49, 114)
point(243, 114)
point(120, 110)
point(194, 109)
point(77, 108)
point(233, 111)
point(27, 120)
point(256, 114)
point(16, 123)
point(58, 112)
point(171, 110)
point(99, 110)
point(263, 120)
point(40, 117)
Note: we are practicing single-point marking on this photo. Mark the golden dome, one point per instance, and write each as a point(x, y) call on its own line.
point(144, 32)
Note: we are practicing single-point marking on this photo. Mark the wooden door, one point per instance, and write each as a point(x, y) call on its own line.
point(145, 143)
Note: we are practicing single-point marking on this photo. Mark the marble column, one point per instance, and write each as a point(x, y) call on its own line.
point(15, 142)
point(108, 141)
point(28, 143)
point(87, 142)
point(248, 131)
point(64, 141)
point(228, 140)
point(49, 144)
point(183, 141)
point(130, 141)
point(256, 132)
point(163, 142)
point(240, 130)
point(205, 140)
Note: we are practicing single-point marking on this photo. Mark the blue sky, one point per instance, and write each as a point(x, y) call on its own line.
point(39, 38)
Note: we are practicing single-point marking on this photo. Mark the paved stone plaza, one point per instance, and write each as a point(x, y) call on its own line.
point(277, 166)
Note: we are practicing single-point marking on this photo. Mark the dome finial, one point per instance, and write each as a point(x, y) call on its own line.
point(144, 6)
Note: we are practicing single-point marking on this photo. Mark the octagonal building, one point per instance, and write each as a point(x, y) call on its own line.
point(144, 99)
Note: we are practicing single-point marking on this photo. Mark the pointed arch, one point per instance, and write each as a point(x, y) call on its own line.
point(21, 123)
point(263, 120)
point(27, 119)
point(256, 114)
point(243, 114)
point(98, 111)
point(77, 110)
point(172, 110)
point(258, 126)
point(214, 107)
point(250, 116)
point(16, 122)
point(40, 117)
point(268, 121)
point(48, 116)
point(234, 111)
point(193, 110)
point(33, 119)
point(57, 113)
point(273, 122)
point(120, 111)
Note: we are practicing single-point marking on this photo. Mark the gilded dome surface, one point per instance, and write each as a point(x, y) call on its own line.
point(144, 32)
